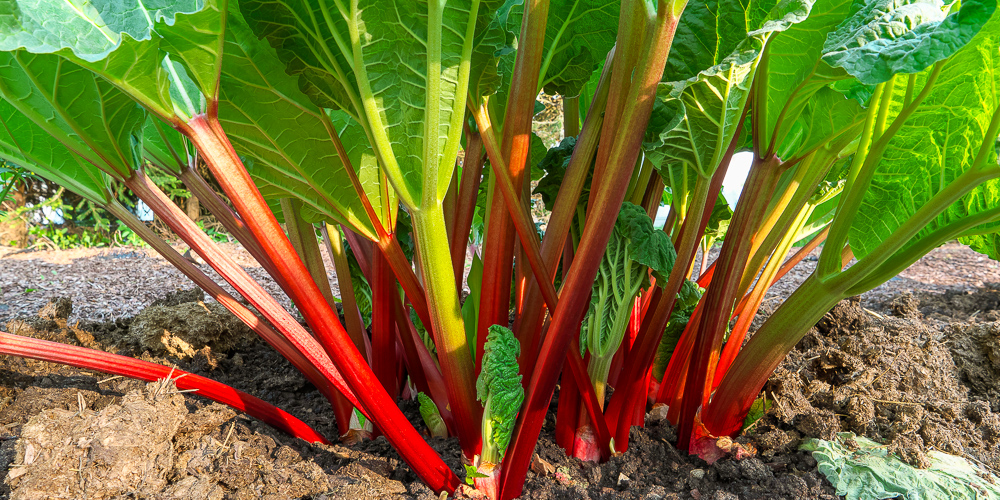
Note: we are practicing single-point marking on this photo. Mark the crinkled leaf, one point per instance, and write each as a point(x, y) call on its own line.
point(712, 104)
point(634, 249)
point(651, 247)
point(499, 386)
point(937, 144)
point(884, 37)
point(862, 469)
point(711, 101)
point(90, 29)
point(125, 41)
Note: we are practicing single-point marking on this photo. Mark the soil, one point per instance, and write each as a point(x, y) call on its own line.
point(916, 371)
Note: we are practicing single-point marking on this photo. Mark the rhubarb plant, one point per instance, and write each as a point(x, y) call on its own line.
point(873, 126)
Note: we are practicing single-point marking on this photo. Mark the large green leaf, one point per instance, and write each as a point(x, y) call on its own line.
point(495, 35)
point(827, 118)
point(397, 65)
point(794, 70)
point(84, 112)
point(862, 469)
point(710, 105)
point(125, 41)
point(272, 123)
point(937, 144)
point(578, 35)
point(91, 30)
point(712, 102)
point(884, 37)
point(30, 146)
point(709, 32)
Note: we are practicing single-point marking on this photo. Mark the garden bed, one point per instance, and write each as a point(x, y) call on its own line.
point(914, 371)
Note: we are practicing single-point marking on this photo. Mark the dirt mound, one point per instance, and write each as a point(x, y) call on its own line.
point(184, 329)
point(181, 297)
point(87, 454)
point(150, 446)
point(895, 380)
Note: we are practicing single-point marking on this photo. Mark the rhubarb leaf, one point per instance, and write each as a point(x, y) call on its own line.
point(862, 469)
point(884, 37)
point(125, 42)
point(578, 35)
point(85, 113)
point(711, 105)
point(709, 32)
point(90, 29)
point(26, 144)
point(718, 221)
point(795, 72)
point(292, 151)
point(554, 164)
point(165, 147)
point(687, 299)
point(499, 389)
point(405, 66)
point(711, 101)
point(432, 417)
point(494, 37)
point(634, 250)
point(937, 144)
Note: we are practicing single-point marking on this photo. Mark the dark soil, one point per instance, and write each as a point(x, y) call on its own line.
point(917, 374)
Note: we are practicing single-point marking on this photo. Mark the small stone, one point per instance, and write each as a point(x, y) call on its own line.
point(540, 466)
point(623, 481)
point(698, 473)
point(695, 494)
point(659, 412)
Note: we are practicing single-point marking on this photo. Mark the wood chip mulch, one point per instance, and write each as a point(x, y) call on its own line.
point(106, 284)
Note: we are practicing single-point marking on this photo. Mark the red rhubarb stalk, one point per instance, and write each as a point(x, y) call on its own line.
point(605, 202)
point(384, 293)
point(529, 244)
point(721, 295)
point(277, 341)
point(472, 175)
point(376, 404)
point(557, 240)
point(498, 254)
